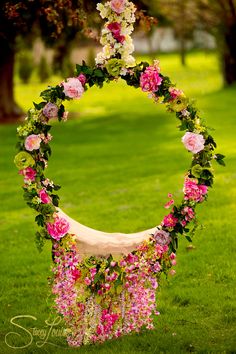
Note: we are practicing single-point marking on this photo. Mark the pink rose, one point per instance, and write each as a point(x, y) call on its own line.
point(82, 78)
point(32, 142)
point(45, 199)
point(29, 174)
point(50, 110)
point(73, 88)
point(169, 220)
point(150, 79)
point(193, 142)
point(118, 6)
point(58, 229)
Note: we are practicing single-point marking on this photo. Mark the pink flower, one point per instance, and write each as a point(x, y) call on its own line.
point(169, 220)
point(29, 174)
point(169, 203)
point(118, 6)
point(73, 88)
point(150, 79)
point(194, 191)
point(113, 263)
point(188, 213)
point(193, 142)
point(58, 229)
point(115, 28)
point(50, 110)
point(32, 142)
point(45, 199)
point(82, 78)
point(172, 255)
point(162, 237)
point(175, 93)
point(87, 281)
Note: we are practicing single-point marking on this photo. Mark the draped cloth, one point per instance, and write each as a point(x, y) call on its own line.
point(94, 242)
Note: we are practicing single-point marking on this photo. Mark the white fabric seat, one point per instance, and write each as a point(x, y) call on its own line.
point(94, 242)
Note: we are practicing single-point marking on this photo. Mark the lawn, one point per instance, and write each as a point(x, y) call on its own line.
point(117, 158)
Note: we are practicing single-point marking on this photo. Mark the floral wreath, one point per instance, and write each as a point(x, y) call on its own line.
point(102, 297)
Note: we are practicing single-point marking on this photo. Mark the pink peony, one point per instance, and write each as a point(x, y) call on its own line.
point(29, 174)
point(170, 221)
point(150, 79)
point(194, 191)
point(162, 237)
point(50, 110)
point(193, 142)
point(73, 88)
point(58, 229)
point(32, 142)
point(82, 78)
point(118, 6)
point(44, 197)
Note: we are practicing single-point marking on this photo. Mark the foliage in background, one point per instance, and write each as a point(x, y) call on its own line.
point(43, 69)
point(25, 66)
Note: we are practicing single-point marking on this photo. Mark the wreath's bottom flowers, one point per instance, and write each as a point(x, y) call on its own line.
point(96, 310)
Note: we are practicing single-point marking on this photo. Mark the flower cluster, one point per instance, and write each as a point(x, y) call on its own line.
point(109, 298)
point(116, 40)
point(150, 80)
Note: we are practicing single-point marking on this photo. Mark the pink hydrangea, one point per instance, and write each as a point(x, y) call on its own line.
point(193, 142)
point(115, 28)
point(169, 220)
point(58, 229)
point(150, 79)
point(73, 88)
point(44, 197)
point(118, 6)
point(50, 110)
point(29, 174)
point(194, 191)
point(162, 237)
point(32, 142)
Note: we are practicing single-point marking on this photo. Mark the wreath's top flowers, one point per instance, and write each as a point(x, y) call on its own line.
point(118, 6)
point(150, 79)
point(193, 142)
point(73, 87)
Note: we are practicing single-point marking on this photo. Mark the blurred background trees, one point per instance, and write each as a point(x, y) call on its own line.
point(67, 24)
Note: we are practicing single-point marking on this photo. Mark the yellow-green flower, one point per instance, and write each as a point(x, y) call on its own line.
point(178, 104)
point(114, 66)
point(23, 159)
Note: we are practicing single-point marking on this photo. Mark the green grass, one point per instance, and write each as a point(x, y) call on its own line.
point(116, 160)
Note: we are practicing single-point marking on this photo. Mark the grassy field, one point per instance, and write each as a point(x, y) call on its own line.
point(117, 158)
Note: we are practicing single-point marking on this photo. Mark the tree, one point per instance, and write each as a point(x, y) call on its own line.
point(47, 18)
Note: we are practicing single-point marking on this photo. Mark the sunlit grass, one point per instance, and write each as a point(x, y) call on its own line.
point(116, 160)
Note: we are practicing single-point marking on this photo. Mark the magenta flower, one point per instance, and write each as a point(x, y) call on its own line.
point(44, 197)
point(188, 213)
point(32, 142)
point(150, 79)
point(175, 93)
point(193, 142)
point(169, 220)
point(115, 28)
point(58, 229)
point(29, 174)
point(73, 88)
point(50, 110)
point(82, 78)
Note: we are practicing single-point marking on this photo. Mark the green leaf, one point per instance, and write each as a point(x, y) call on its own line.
point(39, 220)
point(188, 238)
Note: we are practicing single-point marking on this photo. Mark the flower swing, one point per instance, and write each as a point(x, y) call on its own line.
point(105, 284)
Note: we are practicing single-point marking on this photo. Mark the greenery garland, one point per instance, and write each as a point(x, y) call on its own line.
point(102, 281)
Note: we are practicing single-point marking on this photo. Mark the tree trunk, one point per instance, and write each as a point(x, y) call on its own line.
point(9, 110)
point(229, 55)
point(182, 42)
